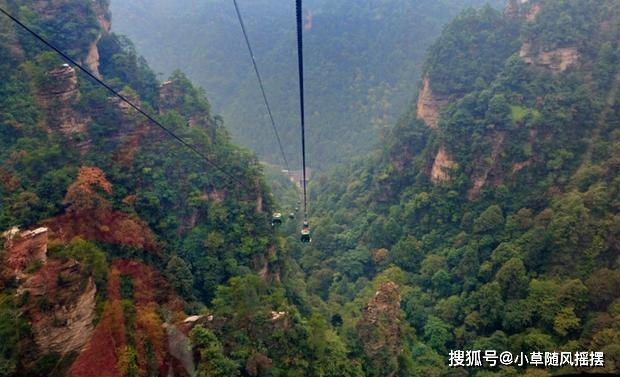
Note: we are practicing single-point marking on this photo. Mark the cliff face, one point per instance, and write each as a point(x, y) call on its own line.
point(522, 9)
point(428, 109)
point(58, 95)
point(82, 44)
point(68, 325)
point(59, 302)
point(103, 18)
point(380, 328)
point(486, 167)
point(556, 60)
point(442, 166)
point(429, 105)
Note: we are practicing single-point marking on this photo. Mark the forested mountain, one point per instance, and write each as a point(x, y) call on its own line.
point(486, 219)
point(113, 232)
point(362, 59)
point(492, 206)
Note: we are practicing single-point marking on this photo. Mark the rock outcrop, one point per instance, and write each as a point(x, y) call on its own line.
point(25, 248)
point(380, 328)
point(71, 323)
point(58, 93)
point(556, 61)
point(442, 166)
point(486, 167)
point(522, 9)
point(429, 105)
point(60, 305)
point(92, 59)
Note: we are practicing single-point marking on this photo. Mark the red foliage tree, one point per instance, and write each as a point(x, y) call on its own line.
point(89, 215)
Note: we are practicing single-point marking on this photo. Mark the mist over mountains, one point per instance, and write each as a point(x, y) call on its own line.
point(363, 62)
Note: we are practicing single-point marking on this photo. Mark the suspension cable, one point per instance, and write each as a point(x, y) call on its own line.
point(123, 98)
point(260, 83)
point(300, 58)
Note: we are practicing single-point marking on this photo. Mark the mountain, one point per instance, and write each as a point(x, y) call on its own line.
point(485, 220)
point(115, 235)
point(362, 60)
point(492, 206)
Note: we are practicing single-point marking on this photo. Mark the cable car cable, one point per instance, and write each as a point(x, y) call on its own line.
point(123, 98)
point(300, 59)
point(260, 83)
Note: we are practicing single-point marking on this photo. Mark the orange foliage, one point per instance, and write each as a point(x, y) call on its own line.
point(146, 283)
point(114, 283)
point(145, 280)
point(43, 283)
point(81, 196)
point(89, 215)
point(91, 176)
point(105, 225)
point(100, 357)
point(149, 328)
point(107, 351)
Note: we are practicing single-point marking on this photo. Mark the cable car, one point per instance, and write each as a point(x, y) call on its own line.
point(305, 233)
point(276, 219)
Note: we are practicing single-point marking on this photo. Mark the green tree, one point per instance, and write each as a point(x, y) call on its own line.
point(490, 303)
point(604, 287)
point(490, 220)
point(93, 260)
point(180, 276)
point(498, 113)
point(565, 321)
point(407, 253)
point(513, 279)
point(213, 362)
point(437, 334)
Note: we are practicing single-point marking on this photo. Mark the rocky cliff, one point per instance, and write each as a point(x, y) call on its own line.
point(68, 325)
point(429, 105)
point(58, 94)
point(380, 328)
point(556, 60)
point(442, 165)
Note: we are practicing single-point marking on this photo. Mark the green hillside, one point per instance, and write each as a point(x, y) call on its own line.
point(499, 220)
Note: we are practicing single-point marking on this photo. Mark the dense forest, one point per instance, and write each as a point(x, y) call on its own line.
point(493, 204)
point(486, 218)
point(362, 60)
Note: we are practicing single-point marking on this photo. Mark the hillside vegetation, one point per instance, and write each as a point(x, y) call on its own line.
point(493, 203)
point(486, 219)
point(133, 229)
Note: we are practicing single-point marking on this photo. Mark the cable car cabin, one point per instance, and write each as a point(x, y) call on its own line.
point(276, 219)
point(305, 233)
